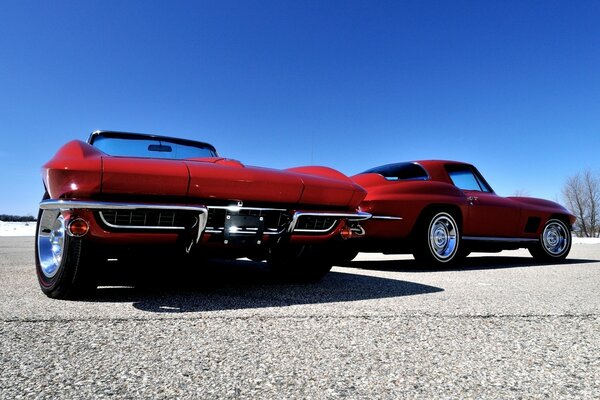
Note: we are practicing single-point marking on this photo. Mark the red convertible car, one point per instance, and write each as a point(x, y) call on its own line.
point(134, 196)
point(441, 211)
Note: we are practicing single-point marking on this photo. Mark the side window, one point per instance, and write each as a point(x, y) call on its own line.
point(484, 186)
point(466, 178)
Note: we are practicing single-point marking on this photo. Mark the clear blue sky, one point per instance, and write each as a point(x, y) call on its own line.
point(510, 86)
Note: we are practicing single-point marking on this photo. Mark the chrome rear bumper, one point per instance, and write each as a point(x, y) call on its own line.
point(202, 213)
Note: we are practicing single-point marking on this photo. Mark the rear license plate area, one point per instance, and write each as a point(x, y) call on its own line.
point(243, 229)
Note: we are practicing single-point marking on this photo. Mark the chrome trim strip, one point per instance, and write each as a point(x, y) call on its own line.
point(499, 239)
point(355, 216)
point(386, 217)
point(238, 208)
point(271, 232)
point(100, 205)
point(97, 205)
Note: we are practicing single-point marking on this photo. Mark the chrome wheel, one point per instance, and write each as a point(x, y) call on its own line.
point(63, 270)
point(443, 237)
point(555, 238)
point(51, 242)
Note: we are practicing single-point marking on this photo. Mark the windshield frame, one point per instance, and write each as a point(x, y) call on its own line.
point(142, 136)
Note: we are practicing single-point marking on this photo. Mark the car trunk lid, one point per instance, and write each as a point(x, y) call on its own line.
point(224, 179)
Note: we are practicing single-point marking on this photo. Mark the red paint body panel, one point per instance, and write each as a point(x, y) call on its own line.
point(328, 187)
point(492, 215)
point(249, 184)
point(153, 177)
point(75, 171)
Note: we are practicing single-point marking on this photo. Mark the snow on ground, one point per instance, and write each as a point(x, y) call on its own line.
point(578, 240)
point(17, 228)
point(28, 229)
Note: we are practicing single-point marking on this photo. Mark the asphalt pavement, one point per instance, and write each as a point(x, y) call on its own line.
point(498, 326)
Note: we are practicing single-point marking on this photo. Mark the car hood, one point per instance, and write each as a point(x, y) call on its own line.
point(535, 203)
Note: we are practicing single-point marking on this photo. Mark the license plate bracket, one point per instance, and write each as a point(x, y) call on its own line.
point(243, 229)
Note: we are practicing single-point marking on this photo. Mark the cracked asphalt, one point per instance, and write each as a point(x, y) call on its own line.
point(499, 326)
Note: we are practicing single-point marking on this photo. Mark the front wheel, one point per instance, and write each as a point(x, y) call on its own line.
point(438, 240)
point(59, 258)
point(554, 243)
point(300, 264)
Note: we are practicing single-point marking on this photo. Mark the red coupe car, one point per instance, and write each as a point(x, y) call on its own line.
point(135, 196)
point(441, 211)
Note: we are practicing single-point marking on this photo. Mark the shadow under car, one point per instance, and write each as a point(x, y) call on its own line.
point(239, 284)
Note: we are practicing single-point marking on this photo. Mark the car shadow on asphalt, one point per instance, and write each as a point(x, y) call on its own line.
point(468, 264)
point(229, 285)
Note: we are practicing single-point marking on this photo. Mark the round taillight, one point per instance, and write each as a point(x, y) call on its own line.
point(346, 232)
point(78, 227)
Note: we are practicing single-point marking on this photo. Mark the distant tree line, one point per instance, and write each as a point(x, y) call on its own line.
point(16, 218)
point(581, 195)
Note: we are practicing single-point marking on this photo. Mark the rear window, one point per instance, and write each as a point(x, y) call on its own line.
point(400, 172)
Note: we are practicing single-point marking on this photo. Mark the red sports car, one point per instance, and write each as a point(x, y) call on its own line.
point(441, 211)
point(125, 195)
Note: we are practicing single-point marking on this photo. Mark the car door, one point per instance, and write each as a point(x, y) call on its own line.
point(487, 215)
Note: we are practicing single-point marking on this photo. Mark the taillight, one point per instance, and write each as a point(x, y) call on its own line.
point(78, 227)
point(346, 232)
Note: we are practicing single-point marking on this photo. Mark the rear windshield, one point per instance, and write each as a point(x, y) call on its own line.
point(150, 147)
point(400, 172)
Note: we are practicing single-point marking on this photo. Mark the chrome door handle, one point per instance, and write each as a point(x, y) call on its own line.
point(472, 199)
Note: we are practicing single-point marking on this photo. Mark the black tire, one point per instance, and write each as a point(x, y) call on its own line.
point(555, 242)
point(345, 256)
point(342, 252)
point(303, 264)
point(437, 240)
point(462, 253)
point(60, 259)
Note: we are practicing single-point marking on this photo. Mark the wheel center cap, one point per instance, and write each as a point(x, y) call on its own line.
point(552, 238)
point(440, 237)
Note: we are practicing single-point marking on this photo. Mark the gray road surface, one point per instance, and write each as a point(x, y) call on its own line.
point(498, 327)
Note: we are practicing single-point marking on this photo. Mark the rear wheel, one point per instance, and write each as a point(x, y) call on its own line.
point(437, 241)
point(59, 258)
point(300, 264)
point(555, 242)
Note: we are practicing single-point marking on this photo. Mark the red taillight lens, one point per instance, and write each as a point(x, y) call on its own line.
point(346, 233)
point(78, 227)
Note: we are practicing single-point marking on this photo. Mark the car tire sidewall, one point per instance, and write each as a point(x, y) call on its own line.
point(425, 252)
point(544, 251)
point(68, 278)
